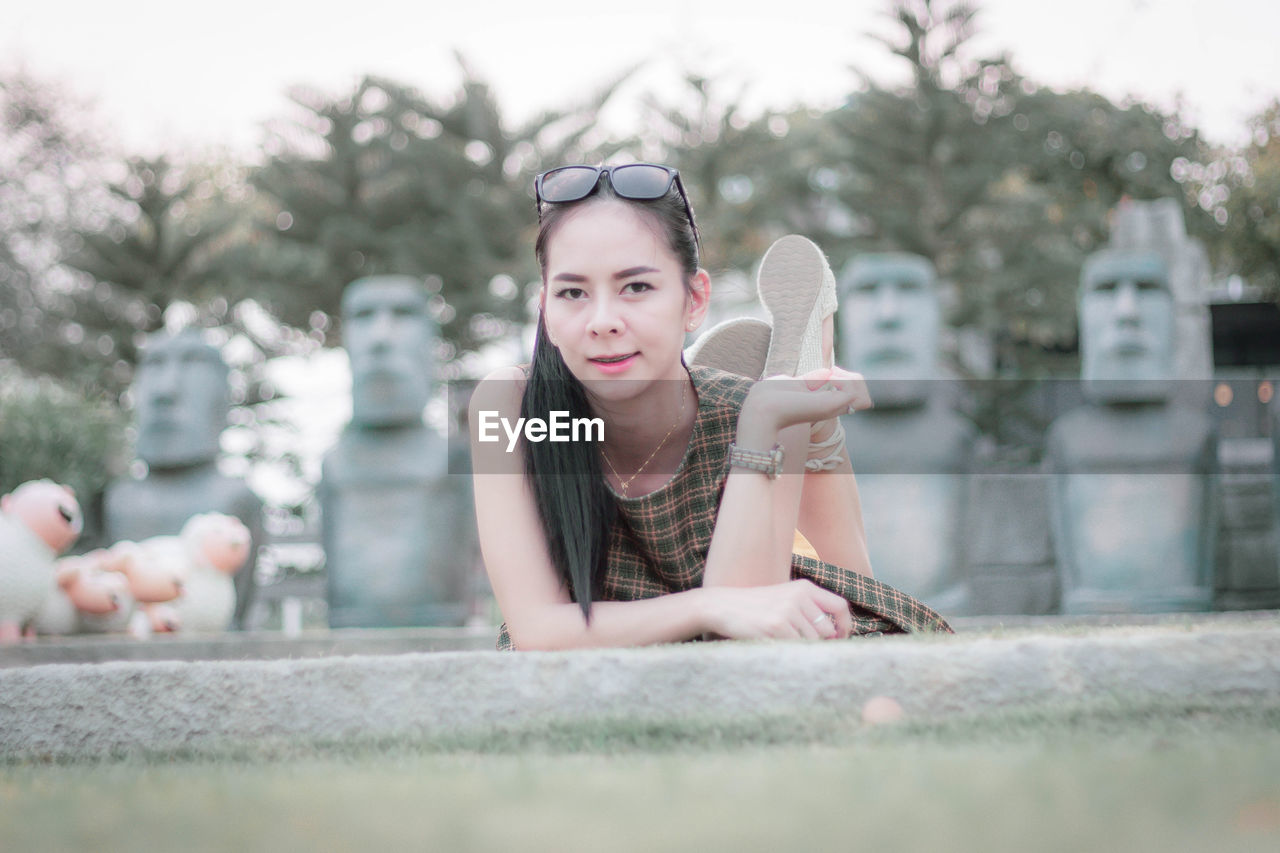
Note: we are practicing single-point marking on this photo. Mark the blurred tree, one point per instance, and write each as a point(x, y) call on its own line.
point(166, 241)
point(750, 180)
point(1073, 157)
point(1005, 185)
point(384, 180)
point(50, 186)
point(916, 157)
point(1247, 192)
point(50, 431)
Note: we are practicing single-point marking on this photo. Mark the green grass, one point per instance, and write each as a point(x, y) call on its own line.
point(1104, 777)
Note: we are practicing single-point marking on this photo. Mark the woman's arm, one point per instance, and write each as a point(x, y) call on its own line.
point(536, 605)
point(758, 516)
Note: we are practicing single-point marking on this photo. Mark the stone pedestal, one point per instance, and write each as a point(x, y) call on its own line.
point(1246, 573)
point(910, 463)
point(1134, 507)
point(1010, 561)
point(398, 531)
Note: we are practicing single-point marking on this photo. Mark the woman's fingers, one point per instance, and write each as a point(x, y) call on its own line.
point(833, 606)
point(846, 383)
point(823, 623)
point(826, 611)
point(806, 629)
point(818, 394)
point(798, 609)
point(842, 620)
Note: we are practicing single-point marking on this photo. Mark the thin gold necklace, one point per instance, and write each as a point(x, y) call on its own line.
point(623, 485)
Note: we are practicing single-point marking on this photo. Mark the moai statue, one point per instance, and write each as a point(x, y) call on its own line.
point(910, 449)
point(1275, 472)
point(1134, 468)
point(181, 400)
point(397, 527)
point(1158, 226)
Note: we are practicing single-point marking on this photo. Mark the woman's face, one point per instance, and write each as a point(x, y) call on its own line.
point(614, 297)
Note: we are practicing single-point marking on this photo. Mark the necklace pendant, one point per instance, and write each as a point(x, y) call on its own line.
point(624, 485)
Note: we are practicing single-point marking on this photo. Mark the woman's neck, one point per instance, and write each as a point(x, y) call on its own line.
point(654, 425)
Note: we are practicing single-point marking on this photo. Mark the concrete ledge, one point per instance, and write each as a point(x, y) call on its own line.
point(453, 698)
point(248, 645)
point(271, 645)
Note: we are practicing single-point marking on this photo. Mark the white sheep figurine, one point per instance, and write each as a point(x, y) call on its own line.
point(38, 521)
point(216, 547)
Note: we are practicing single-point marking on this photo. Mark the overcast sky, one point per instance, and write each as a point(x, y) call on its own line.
point(170, 76)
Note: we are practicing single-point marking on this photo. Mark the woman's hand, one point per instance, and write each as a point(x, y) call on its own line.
point(798, 609)
point(778, 402)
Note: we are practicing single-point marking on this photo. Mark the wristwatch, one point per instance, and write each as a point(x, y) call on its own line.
point(766, 461)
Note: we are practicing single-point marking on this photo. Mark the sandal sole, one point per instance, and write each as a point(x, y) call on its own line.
point(789, 282)
point(737, 346)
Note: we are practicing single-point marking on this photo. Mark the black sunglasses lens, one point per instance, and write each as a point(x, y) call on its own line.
point(569, 183)
point(641, 181)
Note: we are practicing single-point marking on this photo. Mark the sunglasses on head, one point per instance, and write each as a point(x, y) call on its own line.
point(635, 181)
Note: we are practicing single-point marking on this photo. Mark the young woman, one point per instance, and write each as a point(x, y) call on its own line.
point(680, 523)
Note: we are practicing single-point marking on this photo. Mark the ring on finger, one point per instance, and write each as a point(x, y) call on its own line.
point(817, 620)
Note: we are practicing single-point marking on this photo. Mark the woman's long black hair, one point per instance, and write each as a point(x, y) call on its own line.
point(575, 506)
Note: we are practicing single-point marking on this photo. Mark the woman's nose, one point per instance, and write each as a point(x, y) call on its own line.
point(604, 317)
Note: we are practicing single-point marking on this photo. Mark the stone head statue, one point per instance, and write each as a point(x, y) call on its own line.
point(1126, 314)
point(390, 339)
point(889, 320)
point(1157, 225)
point(180, 395)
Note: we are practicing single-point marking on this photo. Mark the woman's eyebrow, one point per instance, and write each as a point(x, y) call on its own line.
point(628, 273)
point(575, 278)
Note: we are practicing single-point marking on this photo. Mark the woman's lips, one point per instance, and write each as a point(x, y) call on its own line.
point(614, 364)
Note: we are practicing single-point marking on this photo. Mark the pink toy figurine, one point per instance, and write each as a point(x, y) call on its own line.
point(156, 568)
point(217, 546)
point(86, 598)
point(38, 521)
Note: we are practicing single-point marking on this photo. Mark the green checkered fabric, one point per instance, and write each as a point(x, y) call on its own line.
point(660, 543)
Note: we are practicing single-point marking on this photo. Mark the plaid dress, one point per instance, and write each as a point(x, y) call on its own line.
point(659, 544)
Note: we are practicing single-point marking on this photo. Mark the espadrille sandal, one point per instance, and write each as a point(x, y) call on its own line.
point(798, 290)
point(735, 346)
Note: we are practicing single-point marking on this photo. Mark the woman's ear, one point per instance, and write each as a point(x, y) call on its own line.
point(698, 301)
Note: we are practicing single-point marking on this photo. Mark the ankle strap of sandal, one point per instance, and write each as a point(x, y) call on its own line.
point(828, 453)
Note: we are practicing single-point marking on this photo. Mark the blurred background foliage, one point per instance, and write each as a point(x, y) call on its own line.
point(47, 431)
point(1005, 184)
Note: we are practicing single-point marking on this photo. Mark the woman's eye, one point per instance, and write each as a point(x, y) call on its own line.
point(571, 293)
point(636, 287)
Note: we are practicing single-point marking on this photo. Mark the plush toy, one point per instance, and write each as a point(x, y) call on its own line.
point(87, 598)
point(217, 546)
point(156, 569)
point(38, 521)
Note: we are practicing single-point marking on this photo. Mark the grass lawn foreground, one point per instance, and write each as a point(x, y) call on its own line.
point(1113, 777)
